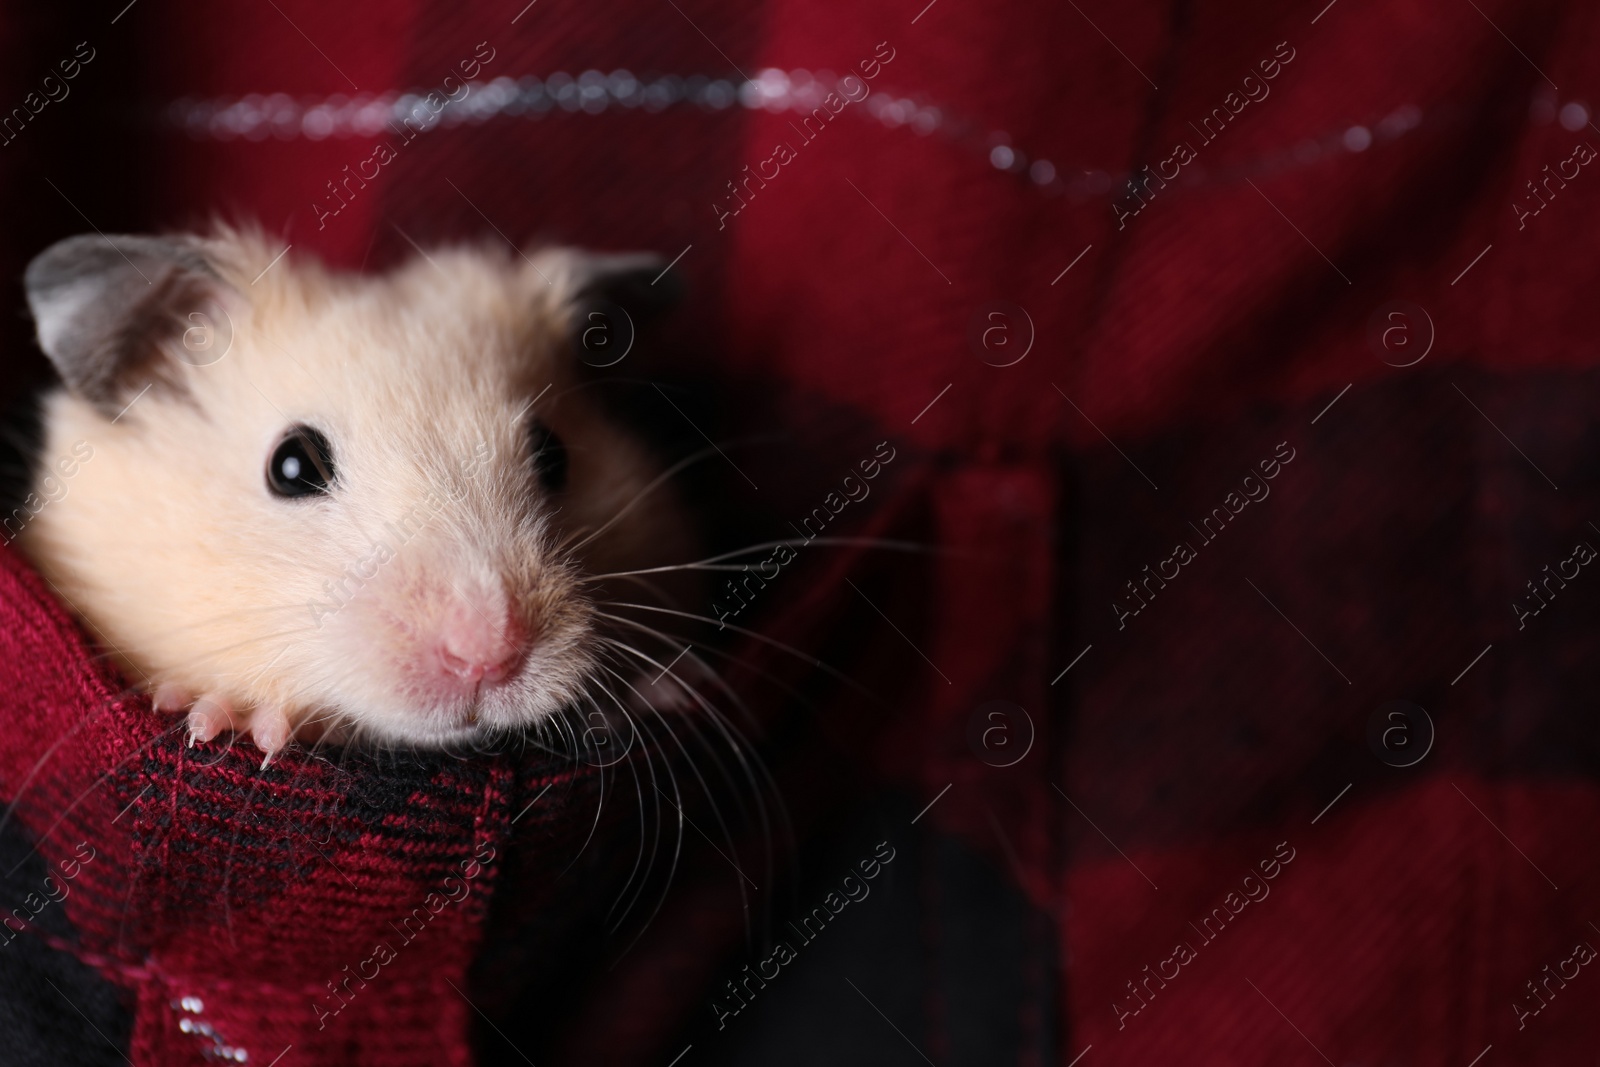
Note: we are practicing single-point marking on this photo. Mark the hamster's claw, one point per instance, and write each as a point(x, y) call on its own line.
point(269, 727)
point(208, 718)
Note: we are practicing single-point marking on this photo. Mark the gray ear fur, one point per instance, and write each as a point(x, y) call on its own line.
point(613, 294)
point(638, 281)
point(104, 306)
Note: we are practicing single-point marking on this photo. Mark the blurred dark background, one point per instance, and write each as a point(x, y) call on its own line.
point(1090, 271)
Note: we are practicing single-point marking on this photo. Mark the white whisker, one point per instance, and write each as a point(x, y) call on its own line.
point(709, 563)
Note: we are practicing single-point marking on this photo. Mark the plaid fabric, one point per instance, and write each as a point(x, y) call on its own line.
point(1297, 445)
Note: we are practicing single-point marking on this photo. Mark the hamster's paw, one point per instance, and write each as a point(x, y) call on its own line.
point(210, 714)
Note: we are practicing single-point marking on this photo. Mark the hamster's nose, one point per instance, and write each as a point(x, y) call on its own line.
point(476, 646)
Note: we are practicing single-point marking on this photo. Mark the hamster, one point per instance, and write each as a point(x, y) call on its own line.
point(307, 503)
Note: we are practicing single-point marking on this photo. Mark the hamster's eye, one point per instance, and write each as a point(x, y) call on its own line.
point(549, 457)
point(302, 464)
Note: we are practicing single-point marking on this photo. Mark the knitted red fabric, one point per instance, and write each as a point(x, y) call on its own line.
point(297, 906)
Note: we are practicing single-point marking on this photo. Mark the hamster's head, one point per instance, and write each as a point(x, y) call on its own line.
point(307, 501)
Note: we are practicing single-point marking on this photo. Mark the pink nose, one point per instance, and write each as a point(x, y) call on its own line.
point(475, 646)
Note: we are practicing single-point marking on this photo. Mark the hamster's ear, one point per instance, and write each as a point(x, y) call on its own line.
point(106, 307)
point(642, 283)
